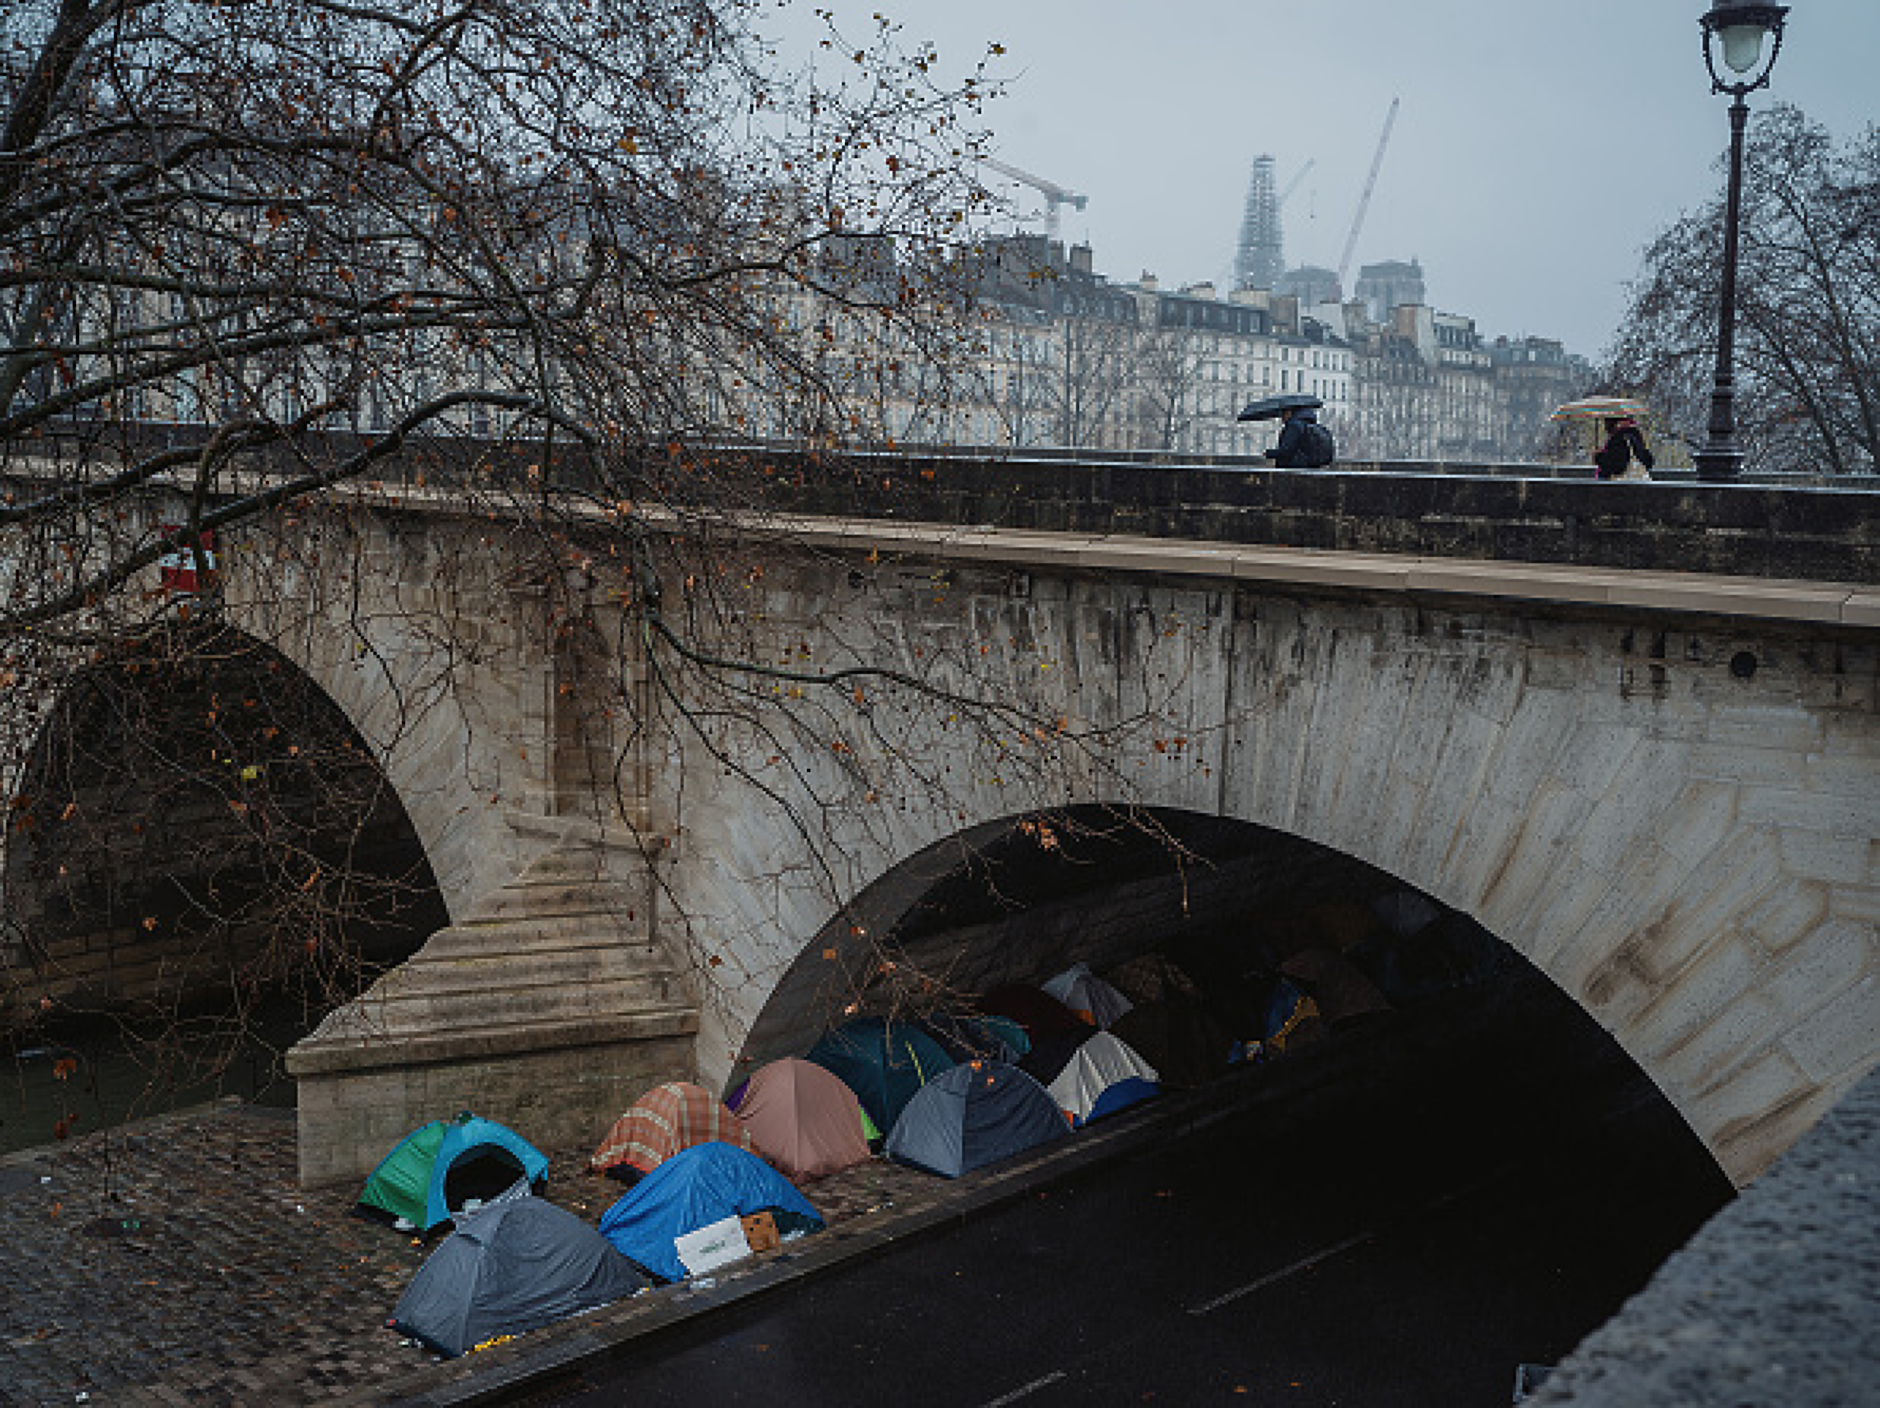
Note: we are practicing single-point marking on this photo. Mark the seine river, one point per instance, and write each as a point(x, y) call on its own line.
point(97, 1080)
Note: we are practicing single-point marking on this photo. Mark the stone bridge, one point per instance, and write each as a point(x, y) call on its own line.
point(1634, 731)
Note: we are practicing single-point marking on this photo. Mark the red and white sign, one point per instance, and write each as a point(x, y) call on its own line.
point(177, 569)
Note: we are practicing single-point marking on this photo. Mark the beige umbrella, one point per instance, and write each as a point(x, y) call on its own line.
point(1600, 408)
point(1597, 408)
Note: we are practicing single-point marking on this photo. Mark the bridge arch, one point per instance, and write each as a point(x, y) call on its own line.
point(199, 824)
point(1681, 844)
point(1022, 898)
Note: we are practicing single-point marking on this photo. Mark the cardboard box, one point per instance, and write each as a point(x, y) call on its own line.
point(760, 1230)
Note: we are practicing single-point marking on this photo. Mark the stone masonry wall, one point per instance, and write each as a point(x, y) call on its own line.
point(1672, 816)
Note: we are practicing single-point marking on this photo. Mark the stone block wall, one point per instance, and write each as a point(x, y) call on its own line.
point(1671, 815)
point(558, 1098)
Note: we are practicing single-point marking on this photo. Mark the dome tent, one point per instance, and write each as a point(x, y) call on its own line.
point(1104, 1076)
point(1152, 977)
point(439, 1167)
point(803, 1118)
point(975, 1114)
point(1087, 995)
point(970, 1036)
point(663, 1121)
point(883, 1062)
point(695, 1188)
point(515, 1265)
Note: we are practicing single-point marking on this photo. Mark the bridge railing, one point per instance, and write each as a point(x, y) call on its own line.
point(1798, 527)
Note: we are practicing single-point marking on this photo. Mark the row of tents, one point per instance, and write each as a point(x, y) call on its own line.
point(515, 1261)
point(949, 1093)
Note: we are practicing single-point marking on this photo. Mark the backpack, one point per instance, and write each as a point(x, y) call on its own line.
point(1319, 448)
point(1612, 457)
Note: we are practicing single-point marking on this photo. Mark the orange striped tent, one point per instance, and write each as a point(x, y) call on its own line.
point(665, 1120)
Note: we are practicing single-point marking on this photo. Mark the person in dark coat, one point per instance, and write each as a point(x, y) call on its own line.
point(1290, 453)
point(1625, 442)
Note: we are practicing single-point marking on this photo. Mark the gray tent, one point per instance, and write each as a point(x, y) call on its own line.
point(517, 1264)
point(975, 1114)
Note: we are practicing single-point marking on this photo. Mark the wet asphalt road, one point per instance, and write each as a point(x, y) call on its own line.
point(1406, 1243)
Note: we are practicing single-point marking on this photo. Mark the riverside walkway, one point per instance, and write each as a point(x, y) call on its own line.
point(177, 1262)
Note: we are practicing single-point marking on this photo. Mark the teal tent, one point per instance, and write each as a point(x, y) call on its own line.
point(883, 1062)
point(439, 1167)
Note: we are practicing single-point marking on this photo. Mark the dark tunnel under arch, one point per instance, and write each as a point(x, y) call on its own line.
point(1238, 904)
point(200, 829)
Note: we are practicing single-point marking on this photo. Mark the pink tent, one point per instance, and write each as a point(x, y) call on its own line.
point(804, 1119)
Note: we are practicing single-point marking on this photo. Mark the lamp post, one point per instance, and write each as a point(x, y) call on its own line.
point(1738, 31)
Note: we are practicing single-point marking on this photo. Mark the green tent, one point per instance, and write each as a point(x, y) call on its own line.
point(436, 1168)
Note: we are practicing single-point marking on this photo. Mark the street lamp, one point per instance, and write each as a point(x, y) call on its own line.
point(1738, 31)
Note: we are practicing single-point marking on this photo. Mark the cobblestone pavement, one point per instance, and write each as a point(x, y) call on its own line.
point(178, 1262)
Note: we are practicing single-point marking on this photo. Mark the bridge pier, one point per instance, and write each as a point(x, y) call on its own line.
point(549, 1007)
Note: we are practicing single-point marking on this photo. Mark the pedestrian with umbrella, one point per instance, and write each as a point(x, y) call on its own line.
point(1624, 454)
point(1303, 442)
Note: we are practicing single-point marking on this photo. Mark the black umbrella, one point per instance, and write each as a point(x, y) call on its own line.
point(1271, 406)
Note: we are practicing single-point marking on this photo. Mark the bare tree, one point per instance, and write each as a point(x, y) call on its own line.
point(256, 253)
point(1808, 304)
point(1170, 362)
point(1098, 361)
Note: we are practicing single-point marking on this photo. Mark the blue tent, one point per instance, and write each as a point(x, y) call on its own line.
point(436, 1168)
point(973, 1115)
point(695, 1188)
point(515, 1265)
point(883, 1063)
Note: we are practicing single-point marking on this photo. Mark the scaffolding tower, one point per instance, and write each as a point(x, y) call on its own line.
point(1260, 260)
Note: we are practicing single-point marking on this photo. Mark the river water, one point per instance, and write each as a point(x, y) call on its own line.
point(84, 1081)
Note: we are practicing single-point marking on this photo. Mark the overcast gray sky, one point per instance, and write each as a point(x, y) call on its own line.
point(1540, 143)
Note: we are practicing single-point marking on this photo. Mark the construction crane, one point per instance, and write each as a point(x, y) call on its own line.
point(1293, 184)
point(1364, 201)
point(1054, 194)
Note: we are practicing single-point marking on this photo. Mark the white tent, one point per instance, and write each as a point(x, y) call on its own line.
point(1105, 1075)
point(1087, 995)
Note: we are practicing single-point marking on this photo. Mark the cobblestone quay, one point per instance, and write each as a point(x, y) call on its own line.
point(177, 1262)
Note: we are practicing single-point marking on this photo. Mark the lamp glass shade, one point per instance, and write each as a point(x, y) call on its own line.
point(1742, 45)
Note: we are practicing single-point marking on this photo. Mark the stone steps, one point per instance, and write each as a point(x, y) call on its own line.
point(427, 1003)
point(547, 936)
point(552, 899)
point(491, 1041)
point(432, 993)
point(550, 1001)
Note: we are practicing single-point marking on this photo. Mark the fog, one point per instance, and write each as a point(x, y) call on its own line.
point(1538, 146)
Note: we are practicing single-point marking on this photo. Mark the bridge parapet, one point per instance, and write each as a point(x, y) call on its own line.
point(1818, 534)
